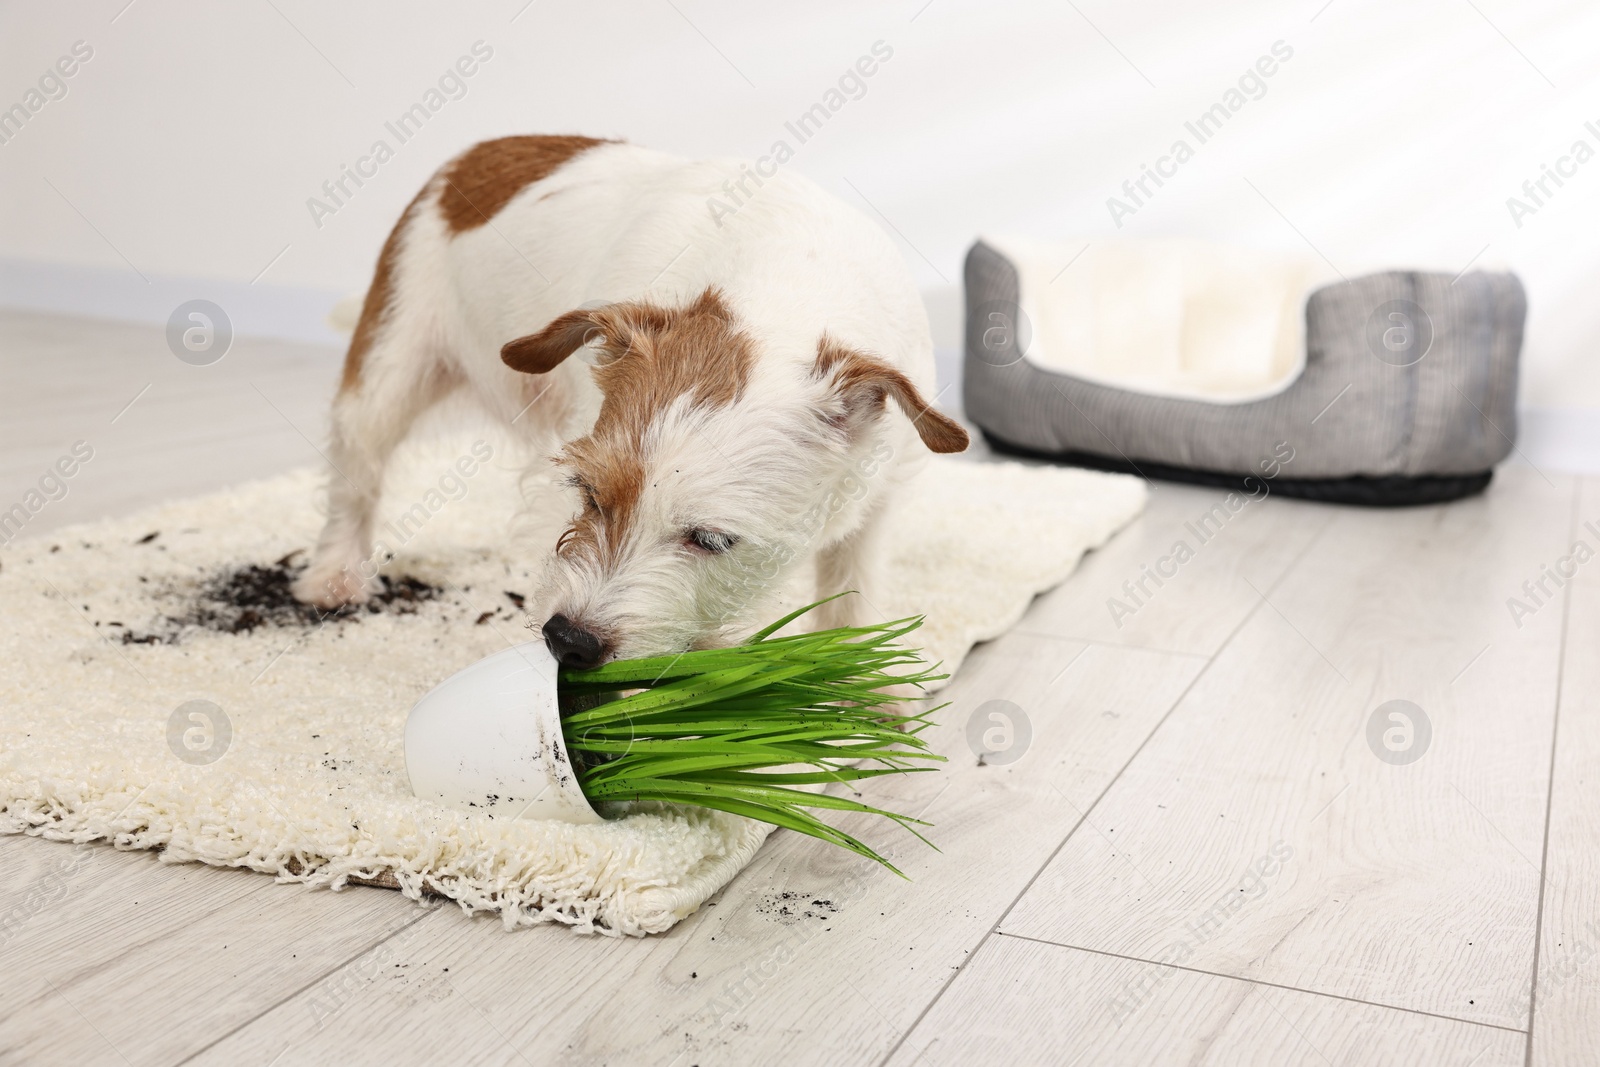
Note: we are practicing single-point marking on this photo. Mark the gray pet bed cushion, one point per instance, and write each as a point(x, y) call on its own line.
point(1377, 409)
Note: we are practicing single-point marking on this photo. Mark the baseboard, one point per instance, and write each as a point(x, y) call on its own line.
point(1560, 439)
point(256, 310)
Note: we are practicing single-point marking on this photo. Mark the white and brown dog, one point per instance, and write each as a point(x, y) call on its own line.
point(727, 419)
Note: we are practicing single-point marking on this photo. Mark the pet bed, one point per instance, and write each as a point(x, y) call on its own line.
point(1236, 368)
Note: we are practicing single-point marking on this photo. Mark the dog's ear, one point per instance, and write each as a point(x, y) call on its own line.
point(612, 328)
point(542, 352)
point(861, 386)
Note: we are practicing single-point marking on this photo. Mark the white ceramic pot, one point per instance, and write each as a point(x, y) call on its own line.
point(488, 739)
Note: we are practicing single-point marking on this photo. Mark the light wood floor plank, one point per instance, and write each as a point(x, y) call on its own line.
point(765, 974)
point(1566, 1009)
point(1204, 598)
point(1588, 531)
point(195, 429)
point(1259, 835)
point(112, 956)
point(1025, 1002)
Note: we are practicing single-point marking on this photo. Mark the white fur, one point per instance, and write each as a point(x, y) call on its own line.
point(621, 223)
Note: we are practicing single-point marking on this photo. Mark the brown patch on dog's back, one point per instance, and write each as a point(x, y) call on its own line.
point(863, 383)
point(477, 185)
point(486, 176)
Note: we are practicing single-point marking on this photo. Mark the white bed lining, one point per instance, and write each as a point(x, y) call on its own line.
point(1166, 317)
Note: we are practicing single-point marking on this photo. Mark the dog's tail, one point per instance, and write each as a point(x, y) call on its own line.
point(344, 315)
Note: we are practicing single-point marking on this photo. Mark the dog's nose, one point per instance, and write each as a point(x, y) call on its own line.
point(571, 644)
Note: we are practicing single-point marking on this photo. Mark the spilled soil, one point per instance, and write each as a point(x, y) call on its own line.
point(241, 599)
point(788, 907)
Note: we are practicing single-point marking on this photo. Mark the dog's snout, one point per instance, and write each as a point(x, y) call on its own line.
point(571, 644)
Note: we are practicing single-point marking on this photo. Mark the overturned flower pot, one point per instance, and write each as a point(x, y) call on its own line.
point(756, 729)
point(488, 738)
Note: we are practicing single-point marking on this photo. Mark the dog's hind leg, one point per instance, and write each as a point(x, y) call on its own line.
point(395, 370)
point(370, 418)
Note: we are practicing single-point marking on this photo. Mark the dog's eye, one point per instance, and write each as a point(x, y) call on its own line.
point(708, 540)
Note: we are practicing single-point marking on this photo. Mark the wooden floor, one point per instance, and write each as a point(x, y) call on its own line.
point(1207, 853)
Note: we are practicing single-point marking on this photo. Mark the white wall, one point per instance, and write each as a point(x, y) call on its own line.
point(194, 136)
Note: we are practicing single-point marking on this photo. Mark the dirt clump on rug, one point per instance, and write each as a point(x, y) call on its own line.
point(240, 598)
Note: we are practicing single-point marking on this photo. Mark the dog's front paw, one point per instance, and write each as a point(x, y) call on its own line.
point(330, 588)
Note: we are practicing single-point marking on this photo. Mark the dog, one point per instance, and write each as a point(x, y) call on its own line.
point(739, 335)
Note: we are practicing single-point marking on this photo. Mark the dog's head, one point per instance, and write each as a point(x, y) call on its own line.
point(708, 470)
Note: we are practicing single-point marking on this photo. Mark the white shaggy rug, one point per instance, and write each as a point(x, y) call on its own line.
point(109, 634)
